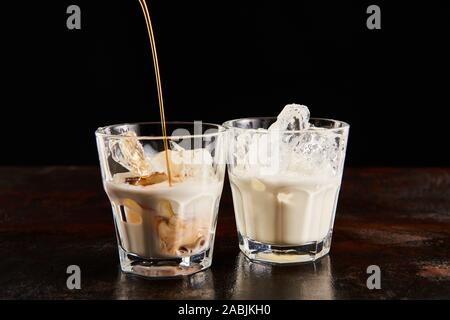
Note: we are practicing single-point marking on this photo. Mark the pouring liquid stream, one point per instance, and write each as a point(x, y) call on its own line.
point(158, 83)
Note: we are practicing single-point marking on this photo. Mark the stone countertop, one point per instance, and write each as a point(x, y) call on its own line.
point(395, 218)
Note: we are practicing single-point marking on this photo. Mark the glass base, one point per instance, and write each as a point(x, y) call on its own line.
point(281, 255)
point(164, 268)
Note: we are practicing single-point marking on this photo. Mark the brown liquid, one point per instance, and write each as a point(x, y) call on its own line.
point(158, 82)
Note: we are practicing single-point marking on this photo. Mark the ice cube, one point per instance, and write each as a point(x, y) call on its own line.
point(315, 151)
point(257, 152)
point(129, 153)
point(242, 144)
point(292, 117)
point(268, 151)
point(196, 163)
point(175, 146)
point(154, 178)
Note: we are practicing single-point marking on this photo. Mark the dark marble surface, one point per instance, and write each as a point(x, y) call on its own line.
point(398, 219)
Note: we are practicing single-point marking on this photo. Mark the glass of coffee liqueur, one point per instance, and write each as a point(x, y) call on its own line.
point(164, 192)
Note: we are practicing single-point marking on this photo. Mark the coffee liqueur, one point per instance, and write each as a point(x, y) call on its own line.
point(164, 190)
point(151, 36)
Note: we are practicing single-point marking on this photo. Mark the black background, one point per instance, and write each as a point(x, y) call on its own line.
point(221, 60)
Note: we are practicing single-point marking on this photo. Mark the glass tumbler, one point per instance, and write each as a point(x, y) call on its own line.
point(285, 187)
point(164, 194)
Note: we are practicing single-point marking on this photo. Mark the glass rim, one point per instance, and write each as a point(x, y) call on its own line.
point(100, 131)
point(344, 125)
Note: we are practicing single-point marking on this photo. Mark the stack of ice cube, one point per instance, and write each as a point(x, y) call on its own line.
point(290, 145)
